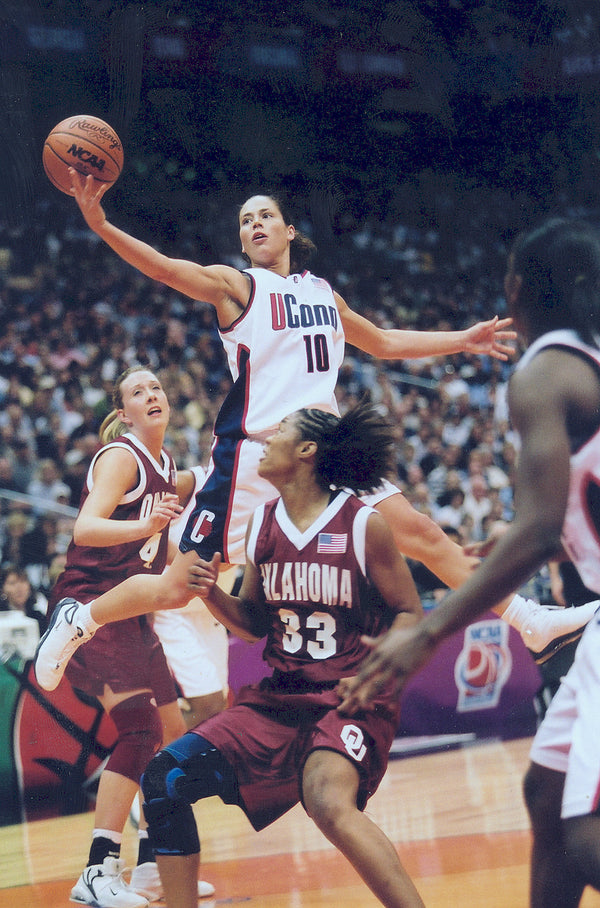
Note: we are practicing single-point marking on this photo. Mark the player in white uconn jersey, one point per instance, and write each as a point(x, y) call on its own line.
point(279, 318)
point(553, 290)
point(284, 331)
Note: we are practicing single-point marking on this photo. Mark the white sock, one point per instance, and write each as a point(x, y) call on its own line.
point(85, 620)
point(116, 837)
point(539, 625)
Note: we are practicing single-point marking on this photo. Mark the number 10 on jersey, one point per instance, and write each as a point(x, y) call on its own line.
point(317, 354)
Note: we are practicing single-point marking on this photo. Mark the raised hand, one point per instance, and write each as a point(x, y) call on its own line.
point(88, 194)
point(488, 338)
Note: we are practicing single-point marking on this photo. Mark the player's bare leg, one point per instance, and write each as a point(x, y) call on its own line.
point(330, 785)
point(582, 840)
point(553, 884)
point(179, 876)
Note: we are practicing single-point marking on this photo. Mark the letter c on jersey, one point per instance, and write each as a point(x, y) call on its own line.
point(202, 526)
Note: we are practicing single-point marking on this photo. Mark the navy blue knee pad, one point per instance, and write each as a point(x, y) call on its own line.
point(139, 735)
point(179, 775)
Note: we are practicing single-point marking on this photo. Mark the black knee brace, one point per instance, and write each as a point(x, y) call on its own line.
point(179, 775)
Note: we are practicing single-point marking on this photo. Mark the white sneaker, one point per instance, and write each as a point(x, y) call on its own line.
point(550, 628)
point(145, 879)
point(58, 644)
point(103, 886)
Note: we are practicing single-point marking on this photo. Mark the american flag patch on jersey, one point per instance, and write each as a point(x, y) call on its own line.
point(319, 282)
point(332, 543)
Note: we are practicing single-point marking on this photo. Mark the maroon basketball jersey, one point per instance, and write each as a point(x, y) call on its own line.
point(92, 570)
point(316, 589)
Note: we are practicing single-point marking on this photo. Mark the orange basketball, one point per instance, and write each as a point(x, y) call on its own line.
point(85, 143)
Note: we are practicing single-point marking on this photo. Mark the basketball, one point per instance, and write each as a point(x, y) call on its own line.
point(85, 143)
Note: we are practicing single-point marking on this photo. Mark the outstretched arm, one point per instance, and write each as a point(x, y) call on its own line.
point(225, 288)
point(484, 338)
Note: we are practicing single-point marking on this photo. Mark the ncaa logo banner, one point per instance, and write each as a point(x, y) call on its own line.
point(483, 666)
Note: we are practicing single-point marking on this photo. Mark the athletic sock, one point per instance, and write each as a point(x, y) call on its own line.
point(145, 853)
point(104, 845)
point(85, 620)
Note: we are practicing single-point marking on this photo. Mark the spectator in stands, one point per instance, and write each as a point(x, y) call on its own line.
point(7, 475)
point(477, 504)
point(15, 528)
point(449, 509)
point(40, 545)
point(23, 465)
point(47, 486)
point(18, 595)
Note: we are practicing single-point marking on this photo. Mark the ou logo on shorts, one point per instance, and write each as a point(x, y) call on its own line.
point(353, 739)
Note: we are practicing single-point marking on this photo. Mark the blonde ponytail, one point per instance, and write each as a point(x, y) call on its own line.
point(112, 426)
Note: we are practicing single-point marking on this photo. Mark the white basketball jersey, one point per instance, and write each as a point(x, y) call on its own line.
point(581, 528)
point(284, 351)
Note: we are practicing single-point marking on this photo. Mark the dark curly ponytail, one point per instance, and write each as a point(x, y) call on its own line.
point(354, 451)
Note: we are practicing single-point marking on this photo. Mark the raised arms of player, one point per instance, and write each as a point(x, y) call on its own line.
point(115, 473)
point(227, 289)
point(484, 338)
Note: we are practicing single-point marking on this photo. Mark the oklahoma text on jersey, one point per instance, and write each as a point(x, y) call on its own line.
point(301, 581)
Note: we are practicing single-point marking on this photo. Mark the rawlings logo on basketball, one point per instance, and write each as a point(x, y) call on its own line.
point(97, 130)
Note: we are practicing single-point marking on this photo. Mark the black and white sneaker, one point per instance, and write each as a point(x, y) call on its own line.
point(57, 645)
point(556, 645)
point(103, 886)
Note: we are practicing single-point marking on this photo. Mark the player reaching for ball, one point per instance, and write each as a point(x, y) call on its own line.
point(284, 331)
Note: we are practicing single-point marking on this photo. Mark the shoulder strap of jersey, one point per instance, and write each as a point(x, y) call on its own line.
point(257, 521)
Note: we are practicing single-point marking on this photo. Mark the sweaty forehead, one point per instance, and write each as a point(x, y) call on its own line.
point(256, 204)
point(290, 421)
point(141, 377)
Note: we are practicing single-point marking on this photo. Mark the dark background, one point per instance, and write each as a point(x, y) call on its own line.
point(461, 116)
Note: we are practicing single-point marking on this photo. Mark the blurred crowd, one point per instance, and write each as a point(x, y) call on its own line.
point(74, 316)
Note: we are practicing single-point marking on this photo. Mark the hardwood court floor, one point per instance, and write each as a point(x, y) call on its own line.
point(456, 817)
